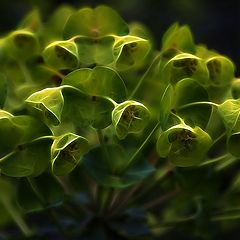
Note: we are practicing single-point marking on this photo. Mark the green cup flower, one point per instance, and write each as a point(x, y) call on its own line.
point(61, 54)
point(66, 152)
point(184, 146)
point(129, 117)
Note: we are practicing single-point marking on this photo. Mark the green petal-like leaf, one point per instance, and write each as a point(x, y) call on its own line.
point(179, 37)
point(230, 113)
point(61, 54)
point(17, 130)
point(95, 51)
point(21, 44)
point(221, 71)
point(67, 151)
point(86, 110)
point(96, 22)
point(129, 117)
point(106, 174)
point(189, 91)
point(186, 65)
point(22, 150)
point(130, 51)
point(29, 159)
point(51, 192)
point(184, 146)
point(50, 102)
point(99, 81)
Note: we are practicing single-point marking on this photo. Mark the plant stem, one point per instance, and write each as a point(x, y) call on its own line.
point(131, 160)
point(197, 103)
point(125, 201)
point(144, 76)
point(217, 159)
point(42, 201)
point(25, 71)
point(161, 199)
point(36, 191)
point(177, 117)
point(152, 184)
point(103, 146)
point(17, 219)
point(53, 71)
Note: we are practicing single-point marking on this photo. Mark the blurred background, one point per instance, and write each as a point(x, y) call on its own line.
point(214, 23)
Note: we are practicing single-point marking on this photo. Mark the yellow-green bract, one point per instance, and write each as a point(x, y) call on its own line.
point(184, 146)
point(129, 117)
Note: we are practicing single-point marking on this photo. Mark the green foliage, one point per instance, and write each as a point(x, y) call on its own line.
point(94, 119)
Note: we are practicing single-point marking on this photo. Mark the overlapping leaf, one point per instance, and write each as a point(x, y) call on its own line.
point(95, 51)
point(24, 151)
point(99, 81)
point(100, 21)
point(101, 164)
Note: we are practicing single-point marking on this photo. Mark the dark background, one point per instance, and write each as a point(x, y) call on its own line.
point(215, 23)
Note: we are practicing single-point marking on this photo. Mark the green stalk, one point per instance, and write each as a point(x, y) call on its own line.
point(25, 71)
point(144, 76)
point(197, 103)
point(17, 219)
point(132, 159)
point(36, 191)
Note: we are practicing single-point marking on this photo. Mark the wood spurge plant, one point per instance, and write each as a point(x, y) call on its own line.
point(104, 136)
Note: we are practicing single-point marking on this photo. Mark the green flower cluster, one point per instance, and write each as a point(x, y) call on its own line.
point(85, 91)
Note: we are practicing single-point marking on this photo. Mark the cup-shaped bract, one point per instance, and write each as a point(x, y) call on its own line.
point(24, 149)
point(129, 117)
point(184, 146)
point(66, 152)
point(21, 44)
point(49, 102)
point(93, 23)
point(179, 37)
point(235, 88)
point(185, 65)
point(61, 55)
point(130, 51)
point(230, 114)
point(221, 71)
